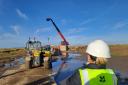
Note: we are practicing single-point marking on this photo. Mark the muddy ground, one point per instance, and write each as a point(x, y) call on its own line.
point(40, 76)
point(118, 62)
point(23, 76)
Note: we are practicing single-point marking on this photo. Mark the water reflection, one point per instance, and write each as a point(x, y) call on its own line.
point(70, 65)
point(16, 62)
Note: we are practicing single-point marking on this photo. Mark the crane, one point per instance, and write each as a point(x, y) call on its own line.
point(64, 42)
point(63, 48)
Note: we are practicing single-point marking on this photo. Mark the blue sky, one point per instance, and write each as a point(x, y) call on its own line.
point(81, 21)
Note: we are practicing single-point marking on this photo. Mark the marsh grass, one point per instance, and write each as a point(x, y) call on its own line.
point(10, 53)
point(116, 50)
point(119, 50)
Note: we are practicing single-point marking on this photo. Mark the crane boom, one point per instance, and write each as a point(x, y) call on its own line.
point(59, 32)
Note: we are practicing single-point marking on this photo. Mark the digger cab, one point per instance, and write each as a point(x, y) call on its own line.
point(33, 52)
point(32, 45)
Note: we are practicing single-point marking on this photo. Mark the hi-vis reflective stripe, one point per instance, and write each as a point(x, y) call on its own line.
point(97, 77)
point(84, 77)
point(114, 77)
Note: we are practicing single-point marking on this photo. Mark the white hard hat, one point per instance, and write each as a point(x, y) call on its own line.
point(98, 48)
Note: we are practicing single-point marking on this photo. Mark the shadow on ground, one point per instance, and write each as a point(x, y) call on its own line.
point(42, 81)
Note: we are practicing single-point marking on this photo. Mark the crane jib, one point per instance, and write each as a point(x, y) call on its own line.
point(56, 27)
point(59, 32)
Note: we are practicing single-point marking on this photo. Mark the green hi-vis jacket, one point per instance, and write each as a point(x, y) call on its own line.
point(92, 74)
point(97, 77)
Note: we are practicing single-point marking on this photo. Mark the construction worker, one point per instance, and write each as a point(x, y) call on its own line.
point(42, 57)
point(94, 72)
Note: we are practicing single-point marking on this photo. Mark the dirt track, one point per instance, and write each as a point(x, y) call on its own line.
point(26, 77)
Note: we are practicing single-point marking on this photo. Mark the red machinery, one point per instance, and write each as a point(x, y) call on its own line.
point(64, 43)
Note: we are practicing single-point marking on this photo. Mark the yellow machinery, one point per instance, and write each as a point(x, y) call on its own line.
point(47, 50)
point(34, 49)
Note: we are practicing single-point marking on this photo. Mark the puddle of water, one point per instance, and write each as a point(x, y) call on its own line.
point(14, 63)
point(72, 63)
point(21, 60)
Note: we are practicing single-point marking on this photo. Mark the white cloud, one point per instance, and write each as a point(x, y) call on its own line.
point(7, 36)
point(76, 39)
point(120, 25)
point(21, 14)
point(46, 29)
point(9, 40)
point(111, 38)
point(16, 29)
point(75, 30)
point(87, 21)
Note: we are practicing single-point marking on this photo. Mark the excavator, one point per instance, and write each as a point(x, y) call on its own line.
point(34, 49)
point(64, 43)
